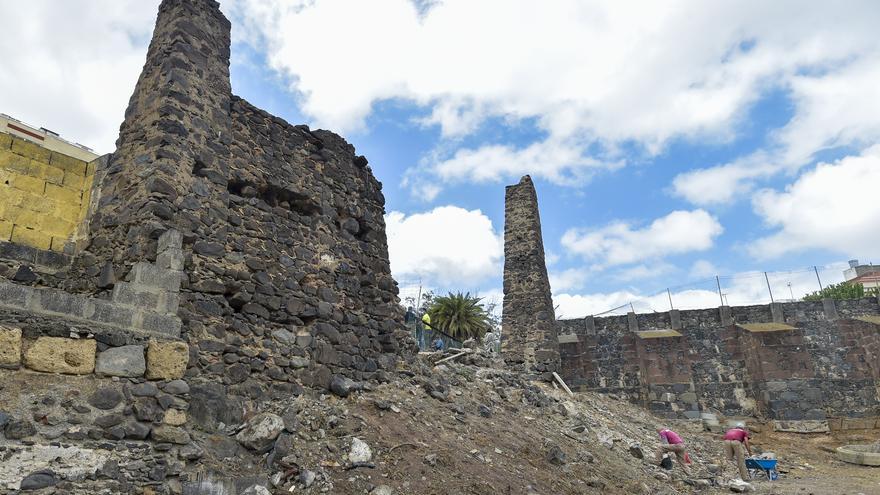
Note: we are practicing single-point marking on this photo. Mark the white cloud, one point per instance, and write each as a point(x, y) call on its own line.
point(572, 278)
point(643, 272)
point(592, 75)
point(71, 66)
point(447, 245)
point(832, 109)
point(833, 206)
point(740, 289)
point(702, 269)
point(620, 243)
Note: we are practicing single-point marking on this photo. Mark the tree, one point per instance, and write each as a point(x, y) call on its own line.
point(844, 290)
point(460, 316)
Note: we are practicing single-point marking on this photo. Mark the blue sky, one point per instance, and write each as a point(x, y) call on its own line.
point(668, 143)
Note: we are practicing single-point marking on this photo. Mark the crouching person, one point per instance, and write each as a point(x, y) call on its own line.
point(671, 442)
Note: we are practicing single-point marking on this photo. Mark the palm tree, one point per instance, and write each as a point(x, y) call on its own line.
point(460, 316)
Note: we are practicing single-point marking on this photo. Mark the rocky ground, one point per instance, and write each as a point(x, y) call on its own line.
point(462, 427)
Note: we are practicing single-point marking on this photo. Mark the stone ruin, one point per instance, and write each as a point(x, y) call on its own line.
point(225, 258)
point(810, 366)
point(528, 320)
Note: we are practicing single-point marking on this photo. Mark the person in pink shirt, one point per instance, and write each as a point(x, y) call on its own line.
point(671, 442)
point(734, 440)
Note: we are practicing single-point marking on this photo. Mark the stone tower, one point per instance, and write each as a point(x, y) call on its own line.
point(177, 127)
point(529, 322)
point(282, 227)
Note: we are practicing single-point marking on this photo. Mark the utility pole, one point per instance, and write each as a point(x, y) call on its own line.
point(790, 291)
point(720, 295)
point(671, 307)
point(768, 286)
point(818, 279)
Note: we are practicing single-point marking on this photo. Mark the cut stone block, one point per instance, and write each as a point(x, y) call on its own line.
point(61, 355)
point(121, 361)
point(151, 275)
point(174, 417)
point(10, 346)
point(166, 360)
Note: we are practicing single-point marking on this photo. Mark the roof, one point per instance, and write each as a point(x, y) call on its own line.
point(657, 334)
point(866, 278)
point(765, 327)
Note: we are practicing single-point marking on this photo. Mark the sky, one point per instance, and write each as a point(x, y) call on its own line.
point(669, 142)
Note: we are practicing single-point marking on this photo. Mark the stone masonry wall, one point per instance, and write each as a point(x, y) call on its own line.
point(44, 195)
point(824, 368)
point(528, 321)
point(246, 254)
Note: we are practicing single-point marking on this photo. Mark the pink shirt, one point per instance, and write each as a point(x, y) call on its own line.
point(671, 437)
point(736, 434)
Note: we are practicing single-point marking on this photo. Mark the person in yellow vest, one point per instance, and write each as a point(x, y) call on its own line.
point(437, 344)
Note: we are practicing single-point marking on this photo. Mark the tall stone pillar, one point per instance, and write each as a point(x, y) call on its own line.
point(170, 165)
point(529, 322)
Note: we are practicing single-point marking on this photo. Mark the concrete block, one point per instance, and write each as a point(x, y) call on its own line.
point(18, 252)
point(68, 163)
point(590, 325)
point(110, 313)
point(29, 237)
point(776, 313)
point(166, 360)
point(632, 322)
point(64, 195)
point(171, 239)
point(74, 180)
point(674, 319)
point(55, 226)
point(45, 171)
point(726, 317)
point(13, 162)
point(57, 301)
point(133, 295)
point(151, 275)
point(160, 324)
point(170, 259)
point(61, 355)
point(10, 347)
point(14, 295)
point(5, 230)
point(27, 183)
point(168, 303)
point(830, 309)
point(125, 361)
point(31, 150)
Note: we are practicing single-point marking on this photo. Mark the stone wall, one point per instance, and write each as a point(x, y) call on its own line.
point(794, 361)
point(44, 195)
point(249, 252)
point(528, 321)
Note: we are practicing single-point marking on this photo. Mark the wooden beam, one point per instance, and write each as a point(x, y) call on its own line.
point(559, 379)
point(460, 354)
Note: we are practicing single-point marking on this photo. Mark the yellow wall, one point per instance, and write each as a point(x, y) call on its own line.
point(44, 195)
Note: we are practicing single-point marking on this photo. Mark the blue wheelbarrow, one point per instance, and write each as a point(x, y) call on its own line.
point(758, 467)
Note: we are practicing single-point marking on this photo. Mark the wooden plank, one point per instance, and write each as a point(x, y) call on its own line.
point(657, 334)
point(766, 327)
point(559, 379)
point(460, 354)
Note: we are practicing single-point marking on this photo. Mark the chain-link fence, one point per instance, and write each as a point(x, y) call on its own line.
point(417, 297)
point(741, 289)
